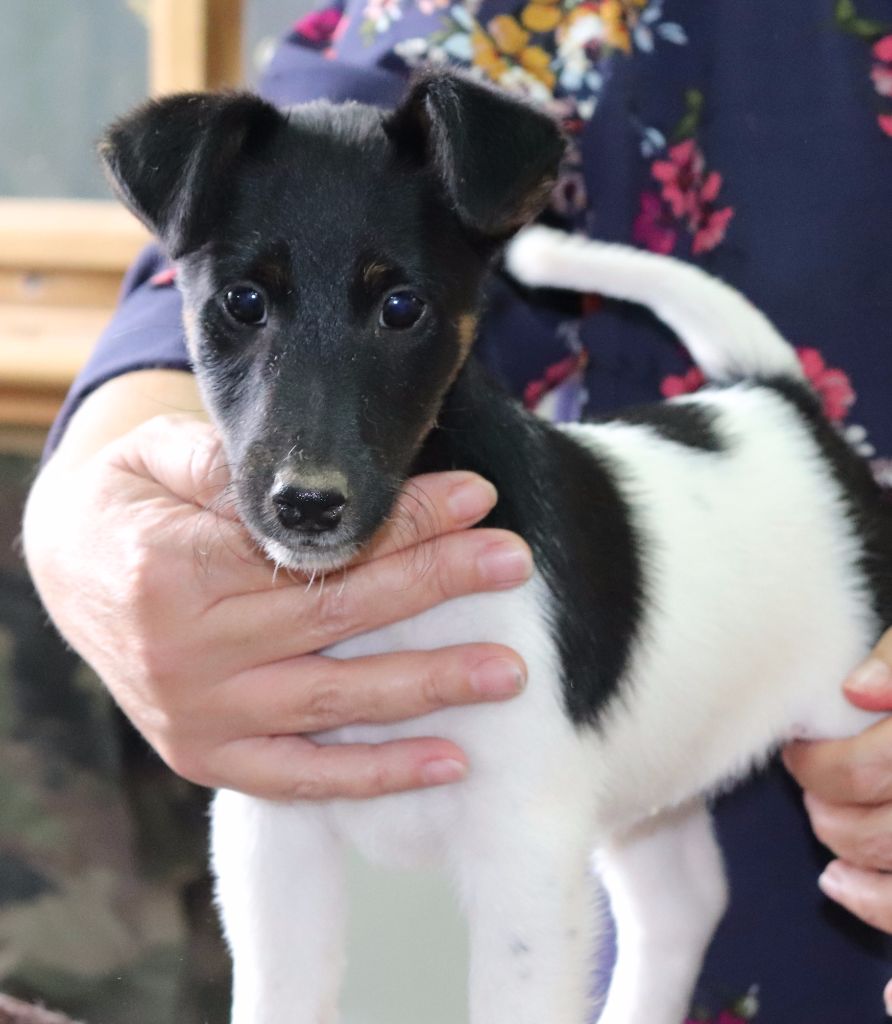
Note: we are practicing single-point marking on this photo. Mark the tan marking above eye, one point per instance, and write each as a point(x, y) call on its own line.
point(467, 331)
point(375, 272)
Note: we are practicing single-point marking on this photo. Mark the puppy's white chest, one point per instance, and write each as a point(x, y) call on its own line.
point(413, 828)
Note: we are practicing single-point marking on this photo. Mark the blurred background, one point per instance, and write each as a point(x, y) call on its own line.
point(104, 901)
point(67, 69)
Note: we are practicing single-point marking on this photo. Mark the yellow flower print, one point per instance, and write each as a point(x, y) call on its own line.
point(507, 34)
point(486, 56)
point(616, 30)
point(538, 62)
point(551, 51)
point(504, 53)
point(540, 17)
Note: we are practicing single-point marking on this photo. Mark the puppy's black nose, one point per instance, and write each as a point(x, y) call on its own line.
point(307, 509)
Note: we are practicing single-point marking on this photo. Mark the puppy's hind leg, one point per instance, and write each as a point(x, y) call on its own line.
point(280, 891)
point(667, 890)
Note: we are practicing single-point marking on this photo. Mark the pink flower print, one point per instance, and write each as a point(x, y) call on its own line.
point(709, 224)
point(691, 196)
point(882, 49)
point(881, 74)
point(675, 385)
point(653, 228)
point(163, 278)
point(533, 393)
point(432, 6)
point(319, 27)
point(680, 176)
point(711, 228)
point(832, 386)
point(882, 79)
point(555, 375)
point(726, 1017)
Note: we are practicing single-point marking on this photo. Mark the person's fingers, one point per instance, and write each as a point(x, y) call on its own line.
point(867, 894)
point(184, 458)
point(171, 470)
point(857, 770)
point(862, 836)
point(387, 590)
point(315, 693)
point(182, 455)
point(870, 685)
point(294, 768)
point(430, 506)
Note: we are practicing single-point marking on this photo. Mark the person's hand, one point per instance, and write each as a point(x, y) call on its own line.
point(848, 794)
point(213, 660)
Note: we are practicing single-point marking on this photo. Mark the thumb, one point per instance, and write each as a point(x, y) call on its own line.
point(870, 685)
point(180, 454)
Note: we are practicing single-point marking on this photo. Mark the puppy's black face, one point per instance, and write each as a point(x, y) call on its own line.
point(327, 315)
point(331, 264)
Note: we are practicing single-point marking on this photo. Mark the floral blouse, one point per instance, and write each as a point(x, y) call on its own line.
point(752, 138)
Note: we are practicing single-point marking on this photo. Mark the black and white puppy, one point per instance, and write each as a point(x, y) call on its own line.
point(708, 569)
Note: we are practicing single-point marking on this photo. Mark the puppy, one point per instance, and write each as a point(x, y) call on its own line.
point(708, 569)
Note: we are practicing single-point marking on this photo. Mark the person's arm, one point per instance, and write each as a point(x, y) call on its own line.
point(146, 571)
point(121, 404)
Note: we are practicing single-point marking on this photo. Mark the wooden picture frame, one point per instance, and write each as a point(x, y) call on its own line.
point(61, 261)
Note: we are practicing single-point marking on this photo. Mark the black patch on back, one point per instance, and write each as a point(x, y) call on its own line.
point(688, 424)
point(563, 500)
point(866, 505)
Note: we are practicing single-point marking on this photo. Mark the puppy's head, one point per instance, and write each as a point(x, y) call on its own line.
point(331, 260)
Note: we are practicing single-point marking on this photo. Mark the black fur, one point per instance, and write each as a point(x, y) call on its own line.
point(690, 424)
point(497, 169)
point(163, 156)
point(564, 502)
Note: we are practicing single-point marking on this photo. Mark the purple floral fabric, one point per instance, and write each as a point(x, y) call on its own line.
point(677, 145)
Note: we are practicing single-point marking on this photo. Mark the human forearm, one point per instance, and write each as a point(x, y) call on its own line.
point(121, 404)
point(155, 583)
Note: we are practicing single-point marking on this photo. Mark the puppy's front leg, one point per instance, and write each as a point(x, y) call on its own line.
point(532, 903)
point(280, 889)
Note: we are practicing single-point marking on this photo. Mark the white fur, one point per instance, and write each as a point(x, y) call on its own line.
point(727, 336)
point(755, 612)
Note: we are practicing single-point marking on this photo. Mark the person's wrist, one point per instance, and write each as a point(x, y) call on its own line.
point(122, 404)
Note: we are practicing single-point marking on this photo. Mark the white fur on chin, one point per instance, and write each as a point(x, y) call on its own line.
point(309, 561)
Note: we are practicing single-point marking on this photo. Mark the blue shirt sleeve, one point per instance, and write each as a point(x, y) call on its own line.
point(146, 332)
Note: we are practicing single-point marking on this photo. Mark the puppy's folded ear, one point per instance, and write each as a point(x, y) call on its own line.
point(497, 157)
point(171, 160)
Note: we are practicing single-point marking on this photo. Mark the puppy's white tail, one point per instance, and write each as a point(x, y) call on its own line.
point(728, 338)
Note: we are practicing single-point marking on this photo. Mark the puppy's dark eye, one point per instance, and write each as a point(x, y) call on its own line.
point(401, 310)
point(246, 304)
